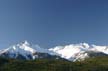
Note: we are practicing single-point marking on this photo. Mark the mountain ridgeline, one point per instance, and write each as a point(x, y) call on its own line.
point(74, 57)
point(72, 52)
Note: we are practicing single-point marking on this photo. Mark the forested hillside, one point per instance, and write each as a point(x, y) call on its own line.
point(91, 64)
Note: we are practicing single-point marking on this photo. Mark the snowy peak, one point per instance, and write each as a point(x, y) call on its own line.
point(22, 50)
point(25, 45)
point(79, 51)
point(103, 49)
point(84, 45)
point(26, 42)
point(25, 50)
point(70, 51)
point(22, 47)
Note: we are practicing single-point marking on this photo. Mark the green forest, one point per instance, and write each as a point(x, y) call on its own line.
point(90, 64)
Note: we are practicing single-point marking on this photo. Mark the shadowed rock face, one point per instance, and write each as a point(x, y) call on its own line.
point(30, 57)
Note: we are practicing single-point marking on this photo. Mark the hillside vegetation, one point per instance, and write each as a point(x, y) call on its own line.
point(90, 64)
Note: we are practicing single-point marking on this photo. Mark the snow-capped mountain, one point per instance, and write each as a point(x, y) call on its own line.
point(72, 52)
point(80, 51)
point(24, 50)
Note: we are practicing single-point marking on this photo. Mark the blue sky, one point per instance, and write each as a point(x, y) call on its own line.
point(53, 22)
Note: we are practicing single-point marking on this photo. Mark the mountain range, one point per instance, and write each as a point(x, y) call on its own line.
point(72, 52)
